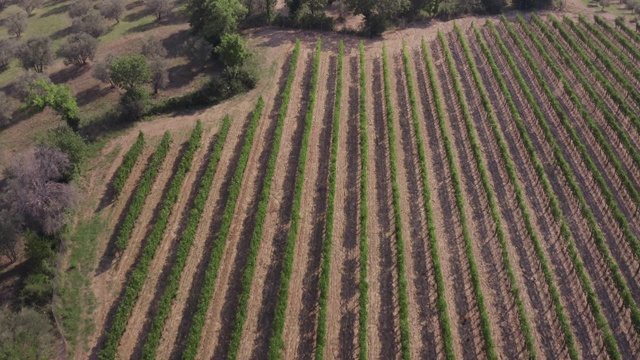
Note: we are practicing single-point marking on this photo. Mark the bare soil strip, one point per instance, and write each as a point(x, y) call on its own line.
point(342, 304)
point(140, 319)
point(420, 298)
point(383, 333)
point(116, 274)
point(264, 287)
point(301, 314)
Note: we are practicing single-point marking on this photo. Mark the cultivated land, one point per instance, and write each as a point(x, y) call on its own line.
point(485, 175)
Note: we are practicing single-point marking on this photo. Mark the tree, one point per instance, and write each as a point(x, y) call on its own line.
point(152, 48)
point(91, 23)
point(58, 97)
point(212, 19)
point(378, 13)
point(35, 189)
point(102, 70)
point(10, 224)
point(24, 83)
point(17, 23)
point(197, 49)
point(159, 76)
point(78, 49)
point(134, 103)
point(232, 52)
point(30, 5)
point(130, 71)
point(80, 8)
point(7, 52)
point(160, 8)
point(7, 107)
point(112, 9)
point(26, 335)
point(604, 4)
point(36, 53)
point(69, 142)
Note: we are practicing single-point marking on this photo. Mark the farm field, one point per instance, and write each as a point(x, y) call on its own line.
point(467, 193)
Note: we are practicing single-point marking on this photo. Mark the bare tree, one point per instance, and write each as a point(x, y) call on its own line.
point(78, 49)
point(17, 23)
point(152, 47)
point(30, 5)
point(7, 107)
point(159, 76)
point(113, 9)
point(91, 23)
point(24, 83)
point(36, 191)
point(7, 52)
point(80, 8)
point(102, 70)
point(36, 53)
point(160, 8)
point(10, 224)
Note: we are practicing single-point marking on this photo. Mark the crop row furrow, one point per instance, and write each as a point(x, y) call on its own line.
point(141, 269)
point(141, 191)
point(491, 198)
point(513, 178)
point(363, 286)
point(128, 161)
point(587, 286)
point(328, 232)
point(403, 302)
point(625, 42)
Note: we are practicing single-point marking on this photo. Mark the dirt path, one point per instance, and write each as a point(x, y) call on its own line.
point(342, 303)
point(113, 273)
point(301, 316)
point(266, 278)
point(143, 312)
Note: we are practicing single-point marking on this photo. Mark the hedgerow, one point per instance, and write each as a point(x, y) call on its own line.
point(601, 322)
point(256, 237)
point(599, 238)
point(513, 177)
point(275, 342)
point(139, 273)
point(403, 302)
point(441, 303)
point(485, 325)
point(363, 287)
point(484, 178)
point(141, 192)
point(128, 161)
point(321, 333)
point(187, 239)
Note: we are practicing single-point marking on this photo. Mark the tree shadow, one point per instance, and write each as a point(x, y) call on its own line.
point(55, 11)
point(136, 16)
point(61, 33)
point(91, 94)
point(134, 4)
point(173, 43)
point(180, 75)
point(68, 73)
point(143, 27)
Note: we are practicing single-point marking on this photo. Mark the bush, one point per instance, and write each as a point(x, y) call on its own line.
point(37, 290)
point(134, 103)
point(69, 142)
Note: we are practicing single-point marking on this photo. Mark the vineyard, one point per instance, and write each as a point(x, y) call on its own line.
point(471, 193)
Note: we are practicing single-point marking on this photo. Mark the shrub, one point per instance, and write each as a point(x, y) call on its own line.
point(26, 335)
point(69, 142)
point(134, 103)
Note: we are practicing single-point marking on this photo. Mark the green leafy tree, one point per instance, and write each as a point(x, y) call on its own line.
point(26, 335)
point(130, 71)
point(214, 18)
point(233, 52)
point(58, 97)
